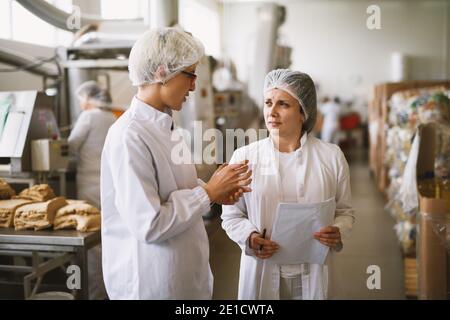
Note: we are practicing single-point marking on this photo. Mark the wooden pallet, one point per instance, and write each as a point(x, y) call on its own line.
point(410, 277)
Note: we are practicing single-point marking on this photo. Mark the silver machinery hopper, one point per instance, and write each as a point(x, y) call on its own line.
point(24, 116)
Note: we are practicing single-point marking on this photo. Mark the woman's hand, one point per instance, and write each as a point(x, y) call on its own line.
point(228, 183)
point(329, 236)
point(268, 247)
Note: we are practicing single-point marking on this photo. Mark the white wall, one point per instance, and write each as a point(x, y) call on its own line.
point(88, 6)
point(331, 42)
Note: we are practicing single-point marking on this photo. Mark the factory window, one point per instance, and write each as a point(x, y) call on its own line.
point(17, 23)
point(130, 9)
point(5, 20)
point(195, 15)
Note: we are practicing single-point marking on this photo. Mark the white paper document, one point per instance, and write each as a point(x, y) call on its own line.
point(294, 228)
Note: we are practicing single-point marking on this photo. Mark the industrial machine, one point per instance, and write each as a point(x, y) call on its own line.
point(28, 116)
point(269, 54)
point(49, 155)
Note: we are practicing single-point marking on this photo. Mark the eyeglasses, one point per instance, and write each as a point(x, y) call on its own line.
point(190, 75)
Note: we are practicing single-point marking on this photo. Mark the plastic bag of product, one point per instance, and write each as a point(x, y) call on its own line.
point(409, 108)
point(406, 233)
point(433, 108)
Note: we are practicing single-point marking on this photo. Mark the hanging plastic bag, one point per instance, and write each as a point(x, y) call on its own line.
point(407, 194)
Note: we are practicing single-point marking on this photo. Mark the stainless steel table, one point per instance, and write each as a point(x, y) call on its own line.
point(59, 246)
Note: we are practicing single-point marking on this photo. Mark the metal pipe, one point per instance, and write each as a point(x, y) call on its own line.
point(101, 37)
point(28, 63)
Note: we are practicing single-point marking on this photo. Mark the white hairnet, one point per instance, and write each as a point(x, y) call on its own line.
point(300, 86)
point(160, 54)
point(92, 92)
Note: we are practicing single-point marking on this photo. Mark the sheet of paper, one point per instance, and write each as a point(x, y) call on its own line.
point(293, 230)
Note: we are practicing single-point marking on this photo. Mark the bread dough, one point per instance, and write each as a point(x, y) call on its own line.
point(39, 215)
point(8, 209)
point(39, 192)
point(6, 192)
point(77, 215)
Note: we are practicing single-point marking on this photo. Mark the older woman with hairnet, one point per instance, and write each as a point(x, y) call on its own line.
point(86, 142)
point(289, 166)
point(154, 240)
point(88, 136)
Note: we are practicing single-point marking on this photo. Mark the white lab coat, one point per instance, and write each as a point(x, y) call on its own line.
point(322, 173)
point(86, 142)
point(330, 127)
point(154, 240)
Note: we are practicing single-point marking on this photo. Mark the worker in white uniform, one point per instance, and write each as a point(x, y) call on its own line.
point(154, 240)
point(88, 136)
point(86, 142)
point(331, 110)
point(289, 166)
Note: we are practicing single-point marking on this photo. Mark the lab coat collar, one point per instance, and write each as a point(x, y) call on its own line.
point(298, 152)
point(273, 167)
point(303, 140)
point(147, 112)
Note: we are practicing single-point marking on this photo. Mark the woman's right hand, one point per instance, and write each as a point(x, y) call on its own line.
point(262, 248)
point(229, 183)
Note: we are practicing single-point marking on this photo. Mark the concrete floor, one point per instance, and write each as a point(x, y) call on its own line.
point(372, 242)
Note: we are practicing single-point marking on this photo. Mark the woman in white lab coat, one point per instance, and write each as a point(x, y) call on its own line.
point(86, 142)
point(154, 240)
point(289, 166)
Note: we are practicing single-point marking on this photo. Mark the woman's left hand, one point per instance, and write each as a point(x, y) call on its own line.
point(329, 236)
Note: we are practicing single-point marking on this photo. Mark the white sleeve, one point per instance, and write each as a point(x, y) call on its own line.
point(79, 132)
point(235, 220)
point(137, 198)
point(345, 215)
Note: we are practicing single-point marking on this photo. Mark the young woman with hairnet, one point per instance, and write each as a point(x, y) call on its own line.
point(154, 240)
point(86, 142)
point(289, 166)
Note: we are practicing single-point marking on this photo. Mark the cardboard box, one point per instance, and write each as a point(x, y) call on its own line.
point(432, 240)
